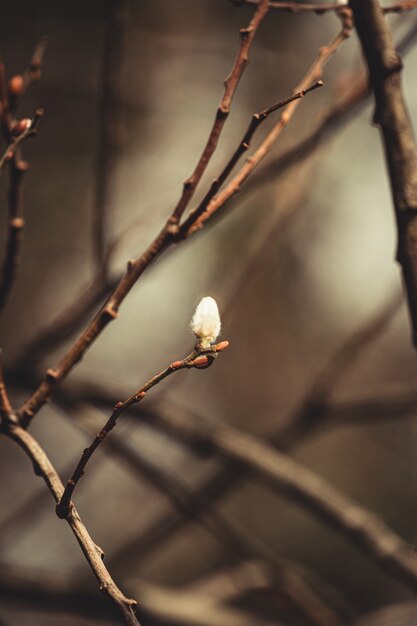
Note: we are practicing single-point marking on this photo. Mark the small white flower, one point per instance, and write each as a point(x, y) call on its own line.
point(206, 323)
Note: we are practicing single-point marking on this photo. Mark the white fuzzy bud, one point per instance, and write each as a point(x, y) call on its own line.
point(206, 323)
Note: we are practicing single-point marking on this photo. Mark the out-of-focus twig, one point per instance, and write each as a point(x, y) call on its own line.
point(314, 73)
point(285, 475)
point(16, 225)
point(6, 410)
point(244, 145)
point(111, 128)
point(71, 318)
point(391, 115)
point(316, 401)
point(323, 7)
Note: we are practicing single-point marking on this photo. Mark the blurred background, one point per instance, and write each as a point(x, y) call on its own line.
point(302, 265)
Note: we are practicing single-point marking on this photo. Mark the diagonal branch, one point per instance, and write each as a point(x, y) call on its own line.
point(244, 145)
point(199, 358)
point(236, 542)
point(247, 36)
point(93, 553)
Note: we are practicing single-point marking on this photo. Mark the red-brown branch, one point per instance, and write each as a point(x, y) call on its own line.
point(314, 74)
point(199, 358)
point(244, 145)
point(230, 85)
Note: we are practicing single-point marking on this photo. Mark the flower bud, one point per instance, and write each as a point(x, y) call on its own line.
point(206, 323)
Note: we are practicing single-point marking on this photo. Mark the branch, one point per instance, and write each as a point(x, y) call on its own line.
point(250, 456)
point(6, 411)
point(16, 226)
point(391, 115)
point(323, 7)
point(288, 477)
point(93, 553)
point(314, 74)
point(247, 36)
point(244, 145)
point(199, 358)
point(22, 130)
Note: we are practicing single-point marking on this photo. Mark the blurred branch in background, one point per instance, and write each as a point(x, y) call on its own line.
point(14, 133)
point(112, 133)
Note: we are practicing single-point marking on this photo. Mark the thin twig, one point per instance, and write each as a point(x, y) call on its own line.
point(6, 411)
point(93, 553)
point(294, 481)
point(288, 477)
point(25, 128)
point(71, 318)
point(199, 358)
point(19, 84)
point(170, 234)
point(323, 7)
point(315, 404)
point(247, 36)
point(244, 145)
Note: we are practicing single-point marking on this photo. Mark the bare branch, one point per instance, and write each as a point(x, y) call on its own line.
point(247, 36)
point(22, 130)
point(19, 84)
point(244, 145)
point(235, 541)
point(16, 226)
point(199, 358)
point(314, 74)
point(309, 490)
point(391, 115)
point(323, 7)
point(93, 553)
